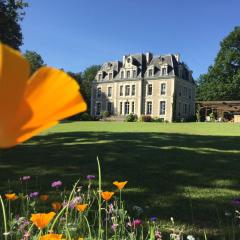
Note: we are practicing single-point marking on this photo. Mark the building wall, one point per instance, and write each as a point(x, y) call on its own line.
point(157, 97)
point(143, 71)
point(185, 98)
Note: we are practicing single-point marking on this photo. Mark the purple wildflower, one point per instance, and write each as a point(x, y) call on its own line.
point(110, 208)
point(25, 178)
point(158, 235)
point(33, 194)
point(153, 219)
point(26, 236)
point(114, 227)
point(236, 202)
point(56, 184)
point(74, 202)
point(90, 177)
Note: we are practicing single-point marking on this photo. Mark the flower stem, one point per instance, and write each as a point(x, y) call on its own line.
point(4, 217)
point(99, 200)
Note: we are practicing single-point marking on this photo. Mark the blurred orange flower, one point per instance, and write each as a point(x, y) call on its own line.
point(56, 206)
point(81, 207)
point(120, 185)
point(107, 195)
point(41, 220)
point(43, 197)
point(11, 196)
point(51, 236)
point(29, 105)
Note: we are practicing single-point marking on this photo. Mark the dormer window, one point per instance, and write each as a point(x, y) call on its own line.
point(122, 74)
point(99, 76)
point(110, 76)
point(129, 60)
point(134, 73)
point(128, 74)
point(150, 72)
point(164, 71)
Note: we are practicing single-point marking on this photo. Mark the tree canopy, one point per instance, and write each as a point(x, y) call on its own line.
point(85, 80)
point(11, 13)
point(222, 81)
point(35, 60)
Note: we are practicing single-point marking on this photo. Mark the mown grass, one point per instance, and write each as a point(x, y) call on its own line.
point(189, 171)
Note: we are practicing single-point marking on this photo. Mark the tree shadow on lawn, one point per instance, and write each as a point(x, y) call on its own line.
point(167, 173)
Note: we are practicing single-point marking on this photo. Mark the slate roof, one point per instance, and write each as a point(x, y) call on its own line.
point(156, 62)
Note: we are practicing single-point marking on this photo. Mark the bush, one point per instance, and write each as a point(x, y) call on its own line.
point(85, 117)
point(158, 119)
point(146, 118)
point(131, 118)
point(104, 114)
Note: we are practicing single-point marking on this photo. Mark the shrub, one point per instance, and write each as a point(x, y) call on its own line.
point(104, 114)
point(131, 118)
point(158, 119)
point(146, 118)
point(85, 117)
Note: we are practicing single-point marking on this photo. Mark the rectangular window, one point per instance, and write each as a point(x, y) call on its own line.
point(120, 108)
point(100, 77)
point(133, 105)
point(150, 72)
point(128, 74)
point(109, 107)
point(185, 108)
point(99, 92)
point(126, 108)
point(109, 91)
point(134, 73)
point(184, 91)
point(133, 90)
point(179, 109)
point(164, 71)
point(189, 93)
point(110, 76)
point(180, 91)
point(149, 90)
point(121, 90)
point(98, 109)
point(149, 108)
point(163, 88)
point(162, 107)
point(122, 74)
point(127, 90)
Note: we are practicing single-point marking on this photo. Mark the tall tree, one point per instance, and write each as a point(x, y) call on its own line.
point(11, 13)
point(88, 76)
point(35, 60)
point(222, 82)
point(85, 79)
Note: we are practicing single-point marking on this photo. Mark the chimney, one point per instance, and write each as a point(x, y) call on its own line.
point(149, 57)
point(124, 59)
point(177, 56)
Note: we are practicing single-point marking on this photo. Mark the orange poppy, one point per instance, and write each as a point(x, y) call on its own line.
point(51, 236)
point(31, 105)
point(81, 207)
point(43, 197)
point(107, 195)
point(120, 185)
point(56, 206)
point(41, 220)
point(11, 196)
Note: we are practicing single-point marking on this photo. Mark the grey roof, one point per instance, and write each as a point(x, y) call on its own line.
point(156, 62)
point(109, 66)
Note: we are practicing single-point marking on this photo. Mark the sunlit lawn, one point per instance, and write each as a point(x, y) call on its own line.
point(189, 171)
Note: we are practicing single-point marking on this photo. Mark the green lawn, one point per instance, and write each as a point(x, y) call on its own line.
point(189, 171)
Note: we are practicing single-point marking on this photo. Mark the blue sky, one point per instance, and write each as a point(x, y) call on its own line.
point(75, 34)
